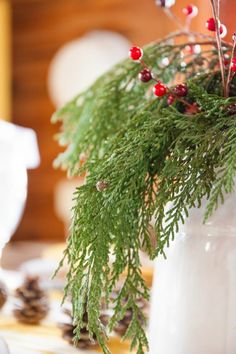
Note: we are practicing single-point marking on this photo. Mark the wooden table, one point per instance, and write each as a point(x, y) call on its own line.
point(45, 338)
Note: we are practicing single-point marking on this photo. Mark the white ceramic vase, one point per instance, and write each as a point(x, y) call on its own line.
point(193, 307)
point(18, 152)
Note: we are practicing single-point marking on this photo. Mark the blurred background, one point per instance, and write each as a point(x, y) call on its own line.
point(49, 51)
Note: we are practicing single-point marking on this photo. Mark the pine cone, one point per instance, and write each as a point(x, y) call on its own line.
point(33, 306)
point(3, 294)
point(68, 332)
point(122, 325)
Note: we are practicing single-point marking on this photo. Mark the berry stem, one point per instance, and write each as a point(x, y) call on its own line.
point(199, 35)
point(181, 99)
point(216, 9)
point(206, 43)
point(142, 62)
point(174, 18)
point(230, 69)
point(188, 23)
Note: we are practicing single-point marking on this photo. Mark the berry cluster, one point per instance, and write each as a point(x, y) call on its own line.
point(211, 26)
point(191, 11)
point(179, 91)
point(159, 89)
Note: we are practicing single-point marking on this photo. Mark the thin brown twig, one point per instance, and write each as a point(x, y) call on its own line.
point(181, 99)
point(142, 62)
point(218, 8)
point(184, 33)
point(219, 45)
point(230, 69)
point(188, 22)
point(174, 18)
point(212, 42)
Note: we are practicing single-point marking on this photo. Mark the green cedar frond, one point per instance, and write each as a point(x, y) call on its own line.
point(100, 112)
point(157, 161)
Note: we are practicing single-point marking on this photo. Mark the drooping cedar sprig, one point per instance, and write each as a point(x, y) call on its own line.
point(184, 152)
point(143, 154)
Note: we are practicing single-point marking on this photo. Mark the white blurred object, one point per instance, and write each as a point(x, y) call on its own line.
point(44, 269)
point(3, 347)
point(18, 152)
point(80, 62)
point(165, 3)
point(194, 293)
point(63, 199)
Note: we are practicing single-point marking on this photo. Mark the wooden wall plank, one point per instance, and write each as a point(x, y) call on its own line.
point(5, 60)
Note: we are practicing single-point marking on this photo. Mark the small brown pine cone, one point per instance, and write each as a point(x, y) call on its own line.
point(101, 186)
point(27, 317)
point(67, 331)
point(68, 334)
point(3, 294)
point(122, 325)
point(33, 303)
point(85, 341)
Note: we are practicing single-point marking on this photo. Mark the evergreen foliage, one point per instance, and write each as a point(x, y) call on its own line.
point(157, 160)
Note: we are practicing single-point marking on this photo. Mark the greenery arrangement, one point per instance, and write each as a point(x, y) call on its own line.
point(143, 154)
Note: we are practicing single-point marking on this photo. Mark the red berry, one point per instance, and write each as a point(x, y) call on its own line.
point(161, 3)
point(159, 89)
point(226, 60)
point(192, 109)
point(170, 100)
point(135, 53)
point(181, 90)
point(233, 65)
point(223, 31)
point(211, 25)
point(231, 109)
point(188, 10)
point(145, 75)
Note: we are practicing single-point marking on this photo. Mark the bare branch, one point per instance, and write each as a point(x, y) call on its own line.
point(215, 8)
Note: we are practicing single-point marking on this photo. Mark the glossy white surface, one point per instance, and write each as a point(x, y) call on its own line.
point(193, 307)
point(18, 151)
point(3, 347)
